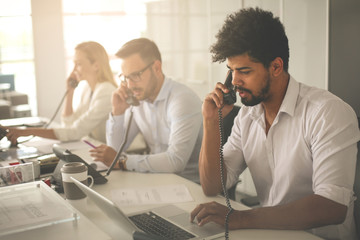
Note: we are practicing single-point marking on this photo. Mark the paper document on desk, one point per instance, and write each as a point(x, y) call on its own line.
point(152, 195)
point(74, 145)
point(43, 145)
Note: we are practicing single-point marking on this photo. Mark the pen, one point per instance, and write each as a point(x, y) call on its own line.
point(88, 143)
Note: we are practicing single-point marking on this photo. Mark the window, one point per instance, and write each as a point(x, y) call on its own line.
point(110, 23)
point(16, 47)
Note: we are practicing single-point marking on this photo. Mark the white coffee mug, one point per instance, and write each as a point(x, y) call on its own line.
point(78, 171)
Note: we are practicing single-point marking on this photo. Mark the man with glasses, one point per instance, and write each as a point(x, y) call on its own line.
point(168, 115)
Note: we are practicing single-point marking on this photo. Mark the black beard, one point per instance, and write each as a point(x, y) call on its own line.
point(255, 100)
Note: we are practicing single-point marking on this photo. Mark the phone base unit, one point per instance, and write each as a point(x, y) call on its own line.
point(65, 156)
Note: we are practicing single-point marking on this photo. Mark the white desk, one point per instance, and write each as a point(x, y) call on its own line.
point(96, 225)
point(119, 179)
point(24, 122)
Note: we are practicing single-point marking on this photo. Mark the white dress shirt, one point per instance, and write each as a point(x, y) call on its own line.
point(172, 129)
point(89, 118)
point(310, 148)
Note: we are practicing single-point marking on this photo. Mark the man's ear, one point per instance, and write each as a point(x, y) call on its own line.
point(157, 66)
point(277, 66)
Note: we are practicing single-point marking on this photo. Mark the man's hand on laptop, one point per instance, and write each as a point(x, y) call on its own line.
point(212, 212)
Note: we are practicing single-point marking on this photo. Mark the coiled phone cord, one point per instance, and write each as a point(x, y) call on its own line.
point(221, 128)
point(56, 111)
point(73, 83)
point(46, 125)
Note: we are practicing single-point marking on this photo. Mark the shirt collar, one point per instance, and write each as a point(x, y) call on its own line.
point(163, 91)
point(288, 104)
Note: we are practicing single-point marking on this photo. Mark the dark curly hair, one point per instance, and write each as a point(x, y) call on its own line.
point(255, 32)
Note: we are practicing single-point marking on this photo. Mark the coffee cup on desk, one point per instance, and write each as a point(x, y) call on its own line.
point(73, 194)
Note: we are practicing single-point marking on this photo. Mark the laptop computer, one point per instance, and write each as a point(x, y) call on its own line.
point(171, 218)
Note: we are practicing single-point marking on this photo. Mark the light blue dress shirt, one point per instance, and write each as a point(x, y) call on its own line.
point(172, 129)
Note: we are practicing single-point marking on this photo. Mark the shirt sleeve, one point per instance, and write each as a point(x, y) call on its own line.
point(99, 108)
point(333, 135)
point(83, 92)
point(184, 113)
point(116, 128)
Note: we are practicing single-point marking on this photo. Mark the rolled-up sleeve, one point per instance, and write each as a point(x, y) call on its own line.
point(334, 148)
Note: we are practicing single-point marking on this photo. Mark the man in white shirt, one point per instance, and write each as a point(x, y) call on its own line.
point(168, 116)
point(299, 142)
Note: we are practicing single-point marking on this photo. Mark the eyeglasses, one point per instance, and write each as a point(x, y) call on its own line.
point(136, 76)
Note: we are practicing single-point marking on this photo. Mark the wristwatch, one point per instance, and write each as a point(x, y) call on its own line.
point(122, 162)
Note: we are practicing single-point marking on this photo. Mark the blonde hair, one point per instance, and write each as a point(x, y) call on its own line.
point(95, 52)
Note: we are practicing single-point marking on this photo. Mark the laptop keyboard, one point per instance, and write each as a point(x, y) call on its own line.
point(156, 225)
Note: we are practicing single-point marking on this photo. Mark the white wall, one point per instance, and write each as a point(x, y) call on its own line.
point(306, 24)
point(49, 54)
point(187, 30)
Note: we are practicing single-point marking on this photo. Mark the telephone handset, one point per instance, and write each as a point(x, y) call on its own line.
point(73, 82)
point(3, 133)
point(230, 97)
point(131, 99)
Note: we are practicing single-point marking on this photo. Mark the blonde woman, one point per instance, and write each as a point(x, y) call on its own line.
point(89, 118)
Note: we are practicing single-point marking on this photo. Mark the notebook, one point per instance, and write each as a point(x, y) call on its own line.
point(169, 216)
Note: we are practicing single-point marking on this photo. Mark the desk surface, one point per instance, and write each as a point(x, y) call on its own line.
point(24, 122)
point(119, 179)
point(94, 224)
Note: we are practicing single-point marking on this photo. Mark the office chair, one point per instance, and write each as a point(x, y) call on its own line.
point(228, 122)
point(357, 189)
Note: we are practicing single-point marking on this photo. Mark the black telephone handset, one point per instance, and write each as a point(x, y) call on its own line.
point(3, 133)
point(230, 97)
point(132, 100)
point(73, 82)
